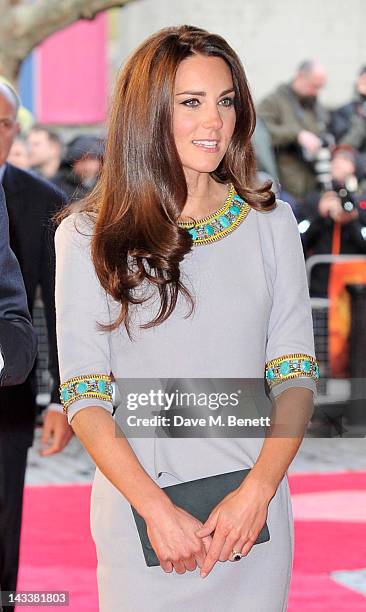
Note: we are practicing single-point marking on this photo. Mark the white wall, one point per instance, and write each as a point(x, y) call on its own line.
point(271, 36)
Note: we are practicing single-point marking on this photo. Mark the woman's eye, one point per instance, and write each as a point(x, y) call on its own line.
point(191, 102)
point(194, 102)
point(227, 102)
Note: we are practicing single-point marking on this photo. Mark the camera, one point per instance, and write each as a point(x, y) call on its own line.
point(321, 162)
point(347, 194)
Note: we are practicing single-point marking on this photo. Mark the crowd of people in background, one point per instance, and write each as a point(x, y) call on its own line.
point(315, 156)
point(318, 158)
point(74, 167)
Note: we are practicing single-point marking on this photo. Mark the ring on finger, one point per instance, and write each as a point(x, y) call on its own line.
point(236, 555)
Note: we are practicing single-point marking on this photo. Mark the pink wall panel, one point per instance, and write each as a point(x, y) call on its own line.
point(72, 74)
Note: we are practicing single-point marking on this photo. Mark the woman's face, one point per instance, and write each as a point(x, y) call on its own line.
point(204, 112)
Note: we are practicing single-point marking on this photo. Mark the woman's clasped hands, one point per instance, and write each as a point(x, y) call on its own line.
point(172, 534)
point(182, 542)
point(235, 523)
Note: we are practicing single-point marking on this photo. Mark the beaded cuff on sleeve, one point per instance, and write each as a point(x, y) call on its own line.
point(291, 366)
point(92, 386)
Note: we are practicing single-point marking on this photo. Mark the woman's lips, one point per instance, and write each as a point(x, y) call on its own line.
point(210, 146)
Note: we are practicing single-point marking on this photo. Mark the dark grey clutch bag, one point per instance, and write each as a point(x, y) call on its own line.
point(198, 497)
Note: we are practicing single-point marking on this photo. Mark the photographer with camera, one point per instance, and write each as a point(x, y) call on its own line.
point(348, 123)
point(298, 126)
point(333, 219)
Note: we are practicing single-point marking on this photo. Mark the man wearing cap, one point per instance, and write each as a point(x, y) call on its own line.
point(80, 168)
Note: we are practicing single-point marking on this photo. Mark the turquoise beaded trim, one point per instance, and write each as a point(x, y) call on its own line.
point(92, 386)
point(219, 224)
point(291, 366)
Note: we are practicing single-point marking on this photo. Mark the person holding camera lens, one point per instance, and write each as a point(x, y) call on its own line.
point(333, 219)
point(298, 126)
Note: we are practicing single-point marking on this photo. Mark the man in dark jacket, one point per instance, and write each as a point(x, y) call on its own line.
point(297, 123)
point(45, 151)
point(349, 121)
point(31, 204)
point(343, 204)
point(18, 344)
point(17, 337)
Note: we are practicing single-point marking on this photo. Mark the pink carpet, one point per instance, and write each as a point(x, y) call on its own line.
point(57, 552)
point(330, 528)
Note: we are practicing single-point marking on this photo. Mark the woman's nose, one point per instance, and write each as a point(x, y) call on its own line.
point(212, 118)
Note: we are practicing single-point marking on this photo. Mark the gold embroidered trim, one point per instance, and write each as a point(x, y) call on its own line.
point(213, 225)
point(214, 215)
point(293, 365)
point(90, 386)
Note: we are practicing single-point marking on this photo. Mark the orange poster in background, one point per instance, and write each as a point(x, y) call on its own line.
point(339, 323)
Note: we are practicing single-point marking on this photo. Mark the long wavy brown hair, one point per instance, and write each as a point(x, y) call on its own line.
point(142, 188)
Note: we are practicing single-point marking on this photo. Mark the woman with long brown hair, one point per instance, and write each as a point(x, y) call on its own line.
point(180, 267)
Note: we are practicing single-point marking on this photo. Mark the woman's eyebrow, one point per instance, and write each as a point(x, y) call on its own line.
point(203, 93)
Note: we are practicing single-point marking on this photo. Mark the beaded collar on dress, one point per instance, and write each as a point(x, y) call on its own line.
point(220, 223)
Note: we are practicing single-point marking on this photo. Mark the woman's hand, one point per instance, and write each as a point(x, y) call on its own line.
point(236, 521)
point(172, 534)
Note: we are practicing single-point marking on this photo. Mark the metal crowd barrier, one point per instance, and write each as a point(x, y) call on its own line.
point(330, 390)
point(42, 373)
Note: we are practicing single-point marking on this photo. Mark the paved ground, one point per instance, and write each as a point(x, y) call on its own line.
point(315, 455)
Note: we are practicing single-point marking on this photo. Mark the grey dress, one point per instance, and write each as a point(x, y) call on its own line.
point(252, 306)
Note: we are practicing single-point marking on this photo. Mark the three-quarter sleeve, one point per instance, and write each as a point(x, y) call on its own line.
point(290, 354)
point(81, 303)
